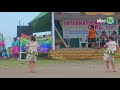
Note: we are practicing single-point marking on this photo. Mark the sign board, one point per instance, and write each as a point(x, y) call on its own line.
point(79, 28)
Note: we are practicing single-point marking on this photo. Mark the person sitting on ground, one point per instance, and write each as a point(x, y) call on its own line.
point(5, 54)
point(3, 47)
point(58, 43)
point(1, 50)
point(104, 38)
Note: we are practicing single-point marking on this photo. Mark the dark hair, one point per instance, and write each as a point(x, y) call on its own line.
point(111, 38)
point(114, 32)
point(92, 26)
point(33, 38)
point(15, 38)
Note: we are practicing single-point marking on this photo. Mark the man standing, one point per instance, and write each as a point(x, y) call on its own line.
point(92, 36)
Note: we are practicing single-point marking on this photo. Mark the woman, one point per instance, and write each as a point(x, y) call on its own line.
point(15, 47)
point(32, 52)
point(1, 40)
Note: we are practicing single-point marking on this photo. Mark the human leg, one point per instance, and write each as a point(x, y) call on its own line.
point(30, 66)
point(34, 66)
point(107, 66)
point(113, 66)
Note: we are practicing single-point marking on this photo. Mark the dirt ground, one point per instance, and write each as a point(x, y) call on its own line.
point(71, 70)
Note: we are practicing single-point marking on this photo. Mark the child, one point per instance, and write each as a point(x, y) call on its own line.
point(111, 47)
point(1, 50)
point(5, 54)
point(32, 53)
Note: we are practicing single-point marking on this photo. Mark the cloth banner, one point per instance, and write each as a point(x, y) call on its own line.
point(44, 43)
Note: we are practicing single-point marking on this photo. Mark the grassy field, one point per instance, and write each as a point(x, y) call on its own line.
point(46, 61)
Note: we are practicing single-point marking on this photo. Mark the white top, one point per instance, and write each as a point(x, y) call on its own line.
point(111, 45)
point(33, 46)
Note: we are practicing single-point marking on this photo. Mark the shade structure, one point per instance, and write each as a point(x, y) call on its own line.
point(102, 13)
point(41, 23)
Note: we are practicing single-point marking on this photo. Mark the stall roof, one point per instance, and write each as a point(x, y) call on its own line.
point(42, 22)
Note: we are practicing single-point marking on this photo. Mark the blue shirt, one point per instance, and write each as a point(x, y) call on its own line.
point(2, 48)
point(15, 43)
point(5, 54)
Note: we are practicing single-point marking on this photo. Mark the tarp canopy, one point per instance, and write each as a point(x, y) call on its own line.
point(41, 23)
point(102, 13)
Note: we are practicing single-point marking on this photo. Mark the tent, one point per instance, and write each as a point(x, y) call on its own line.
point(102, 13)
point(41, 22)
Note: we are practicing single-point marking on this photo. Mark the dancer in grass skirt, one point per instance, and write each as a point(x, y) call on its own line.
point(32, 52)
point(111, 48)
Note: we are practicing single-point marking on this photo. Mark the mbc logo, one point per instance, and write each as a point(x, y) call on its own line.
point(109, 20)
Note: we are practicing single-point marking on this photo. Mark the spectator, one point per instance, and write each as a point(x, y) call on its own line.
point(1, 40)
point(35, 36)
point(5, 54)
point(114, 36)
point(104, 38)
point(15, 47)
point(2, 48)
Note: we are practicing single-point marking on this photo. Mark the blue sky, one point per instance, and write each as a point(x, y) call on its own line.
point(10, 20)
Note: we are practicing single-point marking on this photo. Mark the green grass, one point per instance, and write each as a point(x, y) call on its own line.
point(46, 61)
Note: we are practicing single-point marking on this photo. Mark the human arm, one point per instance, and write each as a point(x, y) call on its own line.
point(90, 32)
point(27, 46)
point(18, 43)
point(105, 46)
point(38, 47)
point(97, 33)
point(12, 43)
point(117, 47)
